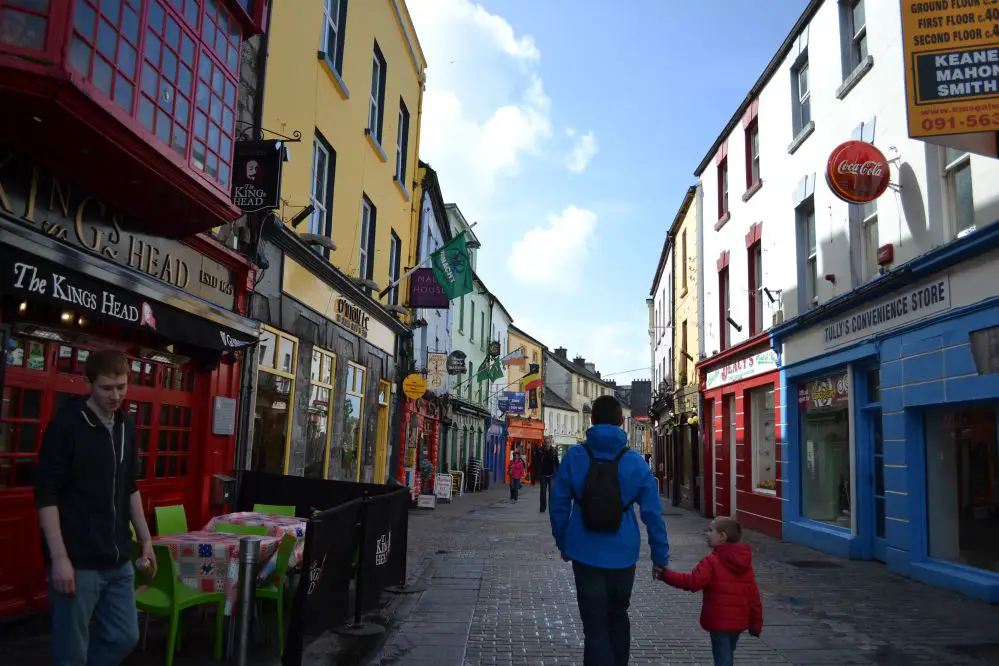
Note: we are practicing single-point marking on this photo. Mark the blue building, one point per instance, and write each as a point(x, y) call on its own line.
point(891, 418)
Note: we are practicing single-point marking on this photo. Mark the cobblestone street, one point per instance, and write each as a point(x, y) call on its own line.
point(499, 594)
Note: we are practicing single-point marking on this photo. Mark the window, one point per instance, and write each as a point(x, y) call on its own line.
point(957, 174)
point(683, 352)
point(402, 144)
point(323, 159)
point(461, 315)
point(347, 465)
point(683, 261)
point(755, 288)
point(482, 330)
point(856, 31)
point(376, 100)
point(275, 401)
point(724, 310)
point(753, 154)
point(395, 259)
point(366, 250)
point(868, 214)
point(318, 414)
point(808, 255)
point(722, 188)
point(825, 461)
point(763, 433)
point(802, 105)
point(335, 18)
point(471, 322)
point(24, 23)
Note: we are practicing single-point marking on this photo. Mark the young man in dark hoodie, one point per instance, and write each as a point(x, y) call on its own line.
point(548, 466)
point(603, 561)
point(86, 492)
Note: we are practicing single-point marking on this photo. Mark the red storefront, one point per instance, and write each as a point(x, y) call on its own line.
point(741, 412)
point(420, 435)
point(524, 435)
point(118, 143)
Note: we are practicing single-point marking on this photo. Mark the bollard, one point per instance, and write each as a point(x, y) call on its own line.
point(249, 558)
point(359, 627)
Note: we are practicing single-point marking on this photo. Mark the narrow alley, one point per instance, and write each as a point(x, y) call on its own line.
point(499, 594)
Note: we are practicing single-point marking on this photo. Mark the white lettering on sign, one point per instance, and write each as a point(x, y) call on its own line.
point(744, 368)
point(59, 287)
point(383, 548)
point(919, 301)
point(868, 168)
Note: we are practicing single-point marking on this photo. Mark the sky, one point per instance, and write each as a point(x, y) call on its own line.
point(569, 132)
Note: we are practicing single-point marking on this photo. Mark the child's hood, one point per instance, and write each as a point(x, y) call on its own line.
point(737, 557)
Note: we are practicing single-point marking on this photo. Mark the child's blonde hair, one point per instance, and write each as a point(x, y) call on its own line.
point(730, 527)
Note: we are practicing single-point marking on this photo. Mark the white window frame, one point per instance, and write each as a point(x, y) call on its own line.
point(723, 186)
point(757, 249)
point(317, 221)
point(754, 152)
point(759, 430)
point(331, 17)
point(374, 108)
point(858, 34)
point(811, 252)
point(395, 254)
point(953, 167)
point(869, 251)
point(401, 141)
point(727, 308)
point(365, 233)
point(804, 96)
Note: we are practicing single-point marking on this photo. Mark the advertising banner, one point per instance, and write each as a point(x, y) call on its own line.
point(826, 393)
point(425, 291)
point(515, 401)
point(951, 67)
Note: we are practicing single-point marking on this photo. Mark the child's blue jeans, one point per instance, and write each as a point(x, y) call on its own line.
point(723, 647)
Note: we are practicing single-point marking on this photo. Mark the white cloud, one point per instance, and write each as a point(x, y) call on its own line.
point(485, 106)
point(583, 151)
point(554, 255)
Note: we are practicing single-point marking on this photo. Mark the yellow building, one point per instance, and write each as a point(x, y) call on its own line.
point(686, 317)
point(347, 76)
point(526, 430)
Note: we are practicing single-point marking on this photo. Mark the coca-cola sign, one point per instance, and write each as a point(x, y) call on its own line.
point(857, 172)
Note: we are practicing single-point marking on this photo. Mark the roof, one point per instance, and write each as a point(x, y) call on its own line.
point(462, 222)
point(687, 199)
point(765, 77)
point(432, 186)
point(578, 369)
point(555, 401)
point(526, 336)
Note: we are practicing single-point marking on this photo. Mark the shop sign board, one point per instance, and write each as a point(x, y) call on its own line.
point(351, 317)
point(827, 393)
point(744, 368)
point(921, 300)
point(414, 386)
point(256, 175)
point(426, 292)
point(456, 362)
point(58, 208)
point(514, 402)
point(857, 172)
point(951, 55)
point(436, 371)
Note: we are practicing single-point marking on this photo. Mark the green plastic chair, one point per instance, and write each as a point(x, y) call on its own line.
point(171, 520)
point(273, 588)
point(249, 530)
point(166, 595)
point(274, 509)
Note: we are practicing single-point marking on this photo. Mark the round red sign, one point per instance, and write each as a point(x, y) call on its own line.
point(857, 172)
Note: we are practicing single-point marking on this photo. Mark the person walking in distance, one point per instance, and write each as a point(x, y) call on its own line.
point(86, 492)
point(547, 465)
point(516, 475)
point(595, 528)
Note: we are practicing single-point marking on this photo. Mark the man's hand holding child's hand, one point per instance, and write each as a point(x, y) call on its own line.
point(657, 571)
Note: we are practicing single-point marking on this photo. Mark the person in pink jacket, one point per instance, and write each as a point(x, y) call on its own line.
point(516, 475)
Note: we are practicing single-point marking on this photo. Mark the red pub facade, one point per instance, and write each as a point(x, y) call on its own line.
point(115, 159)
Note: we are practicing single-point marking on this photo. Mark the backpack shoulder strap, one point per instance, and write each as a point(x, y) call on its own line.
point(620, 454)
point(589, 452)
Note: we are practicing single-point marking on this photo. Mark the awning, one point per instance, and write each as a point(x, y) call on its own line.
point(518, 432)
point(31, 277)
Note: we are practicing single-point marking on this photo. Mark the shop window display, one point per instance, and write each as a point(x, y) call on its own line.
point(763, 435)
point(962, 494)
point(319, 410)
point(825, 450)
point(274, 404)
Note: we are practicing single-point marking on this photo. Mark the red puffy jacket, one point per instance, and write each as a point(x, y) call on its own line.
point(731, 597)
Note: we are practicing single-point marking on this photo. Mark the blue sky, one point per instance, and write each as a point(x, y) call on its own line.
point(570, 133)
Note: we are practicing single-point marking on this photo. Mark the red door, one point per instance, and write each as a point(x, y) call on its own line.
point(40, 376)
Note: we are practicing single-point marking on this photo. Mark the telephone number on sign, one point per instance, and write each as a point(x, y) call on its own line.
point(971, 120)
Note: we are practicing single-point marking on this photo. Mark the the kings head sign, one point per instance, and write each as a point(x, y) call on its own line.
point(256, 175)
point(857, 172)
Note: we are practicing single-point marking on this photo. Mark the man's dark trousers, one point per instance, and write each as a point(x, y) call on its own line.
point(546, 491)
point(603, 596)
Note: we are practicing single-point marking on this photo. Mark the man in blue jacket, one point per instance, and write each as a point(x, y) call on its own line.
point(603, 561)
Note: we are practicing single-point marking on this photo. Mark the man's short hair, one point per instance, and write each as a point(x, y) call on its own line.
point(607, 410)
point(730, 527)
point(110, 362)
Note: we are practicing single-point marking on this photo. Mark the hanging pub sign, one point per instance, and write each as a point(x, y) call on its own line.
point(426, 292)
point(494, 348)
point(857, 172)
point(456, 363)
point(414, 386)
point(515, 400)
point(256, 175)
point(436, 371)
point(826, 393)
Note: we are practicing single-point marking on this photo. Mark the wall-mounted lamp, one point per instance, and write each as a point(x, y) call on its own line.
point(734, 324)
point(831, 278)
point(689, 357)
point(302, 215)
point(770, 294)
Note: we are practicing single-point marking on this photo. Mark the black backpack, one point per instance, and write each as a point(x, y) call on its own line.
point(601, 503)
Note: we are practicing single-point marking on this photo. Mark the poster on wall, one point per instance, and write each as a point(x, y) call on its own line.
point(827, 393)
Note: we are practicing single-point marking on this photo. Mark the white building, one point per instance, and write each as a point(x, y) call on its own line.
point(435, 231)
point(882, 382)
point(661, 309)
point(561, 421)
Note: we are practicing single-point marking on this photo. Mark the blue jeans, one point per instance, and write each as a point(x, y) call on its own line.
point(723, 647)
point(603, 596)
point(515, 489)
point(106, 597)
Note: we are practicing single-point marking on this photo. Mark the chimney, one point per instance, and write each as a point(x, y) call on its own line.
point(561, 352)
point(579, 360)
point(590, 366)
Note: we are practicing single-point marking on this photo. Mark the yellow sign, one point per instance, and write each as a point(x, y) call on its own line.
point(951, 66)
point(414, 386)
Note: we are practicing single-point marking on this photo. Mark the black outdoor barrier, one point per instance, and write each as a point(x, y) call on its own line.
point(306, 494)
point(384, 537)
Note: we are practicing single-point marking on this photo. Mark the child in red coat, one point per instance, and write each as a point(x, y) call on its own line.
point(731, 598)
point(516, 475)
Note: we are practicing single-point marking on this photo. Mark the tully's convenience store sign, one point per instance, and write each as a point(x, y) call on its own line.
point(951, 66)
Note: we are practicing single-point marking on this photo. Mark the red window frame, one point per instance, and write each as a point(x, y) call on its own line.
point(755, 256)
point(723, 187)
point(175, 73)
point(752, 128)
point(724, 339)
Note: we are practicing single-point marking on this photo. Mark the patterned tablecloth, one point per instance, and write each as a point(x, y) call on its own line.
point(276, 525)
point(209, 561)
